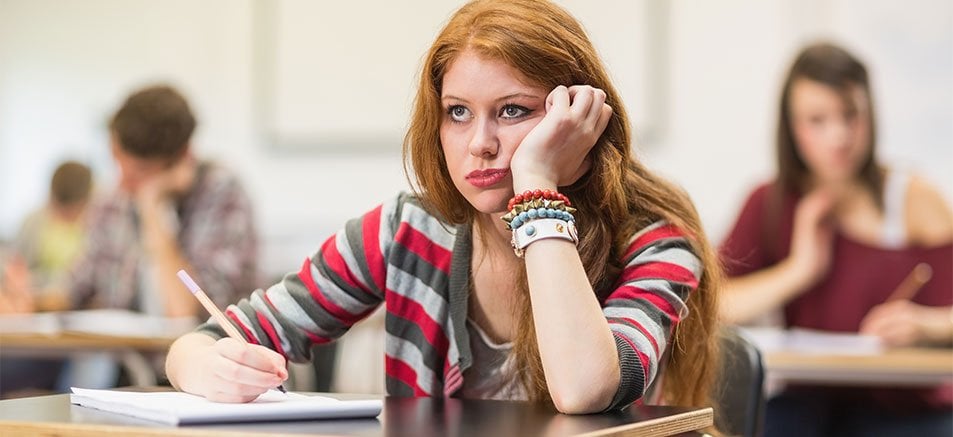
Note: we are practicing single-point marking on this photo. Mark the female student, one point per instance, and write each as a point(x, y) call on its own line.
point(597, 279)
point(829, 244)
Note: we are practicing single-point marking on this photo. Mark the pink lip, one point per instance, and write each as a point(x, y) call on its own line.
point(488, 177)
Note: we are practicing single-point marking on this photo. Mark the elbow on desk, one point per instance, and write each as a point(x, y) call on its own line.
point(583, 399)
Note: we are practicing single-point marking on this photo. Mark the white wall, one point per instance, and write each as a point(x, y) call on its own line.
point(65, 66)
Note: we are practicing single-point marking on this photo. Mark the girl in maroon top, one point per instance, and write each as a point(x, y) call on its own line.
point(829, 241)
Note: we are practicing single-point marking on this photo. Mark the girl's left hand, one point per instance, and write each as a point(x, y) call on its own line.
point(554, 153)
point(904, 323)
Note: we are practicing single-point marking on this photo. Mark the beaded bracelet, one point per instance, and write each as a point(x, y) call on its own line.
point(537, 194)
point(530, 206)
point(540, 213)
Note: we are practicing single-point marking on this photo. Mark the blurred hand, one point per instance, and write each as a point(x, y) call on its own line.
point(813, 235)
point(16, 294)
point(175, 180)
point(904, 323)
point(232, 371)
point(554, 153)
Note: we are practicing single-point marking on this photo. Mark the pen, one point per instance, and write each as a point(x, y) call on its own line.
point(214, 311)
point(920, 275)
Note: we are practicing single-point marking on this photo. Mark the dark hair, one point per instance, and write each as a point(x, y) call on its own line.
point(838, 69)
point(154, 122)
point(71, 183)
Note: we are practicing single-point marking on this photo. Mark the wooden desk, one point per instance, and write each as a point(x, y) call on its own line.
point(53, 415)
point(909, 367)
point(828, 358)
point(135, 353)
point(78, 341)
point(133, 338)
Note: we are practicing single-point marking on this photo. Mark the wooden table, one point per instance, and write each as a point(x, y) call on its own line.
point(135, 353)
point(77, 341)
point(836, 358)
point(908, 367)
point(134, 339)
point(53, 415)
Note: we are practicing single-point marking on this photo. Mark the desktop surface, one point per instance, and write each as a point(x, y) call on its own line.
point(54, 415)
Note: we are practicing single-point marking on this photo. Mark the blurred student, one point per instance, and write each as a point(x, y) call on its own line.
point(170, 211)
point(48, 243)
point(828, 243)
point(33, 278)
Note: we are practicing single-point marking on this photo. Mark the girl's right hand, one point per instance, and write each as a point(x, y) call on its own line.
point(813, 235)
point(230, 371)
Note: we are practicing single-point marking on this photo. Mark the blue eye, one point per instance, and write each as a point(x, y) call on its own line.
point(513, 111)
point(458, 113)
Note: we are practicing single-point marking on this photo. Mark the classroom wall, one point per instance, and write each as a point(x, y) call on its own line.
point(65, 65)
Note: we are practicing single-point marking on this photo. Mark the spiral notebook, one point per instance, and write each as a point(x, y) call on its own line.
point(178, 408)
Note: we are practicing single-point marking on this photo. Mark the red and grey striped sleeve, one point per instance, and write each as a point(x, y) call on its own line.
point(661, 270)
point(339, 285)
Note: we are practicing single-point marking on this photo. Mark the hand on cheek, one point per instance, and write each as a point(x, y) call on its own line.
point(174, 180)
point(554, 153)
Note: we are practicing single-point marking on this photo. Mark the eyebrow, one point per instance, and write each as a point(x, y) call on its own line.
point(506, 97)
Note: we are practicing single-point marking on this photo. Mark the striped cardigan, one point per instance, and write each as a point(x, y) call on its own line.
point(418, 266)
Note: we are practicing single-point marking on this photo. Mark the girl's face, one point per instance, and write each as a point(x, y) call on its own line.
point(488, 108)
point(832, 131)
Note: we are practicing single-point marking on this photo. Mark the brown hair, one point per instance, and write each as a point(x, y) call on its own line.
point(616, 198)
point(154, 123)
point(71, 183)
point(838, 69)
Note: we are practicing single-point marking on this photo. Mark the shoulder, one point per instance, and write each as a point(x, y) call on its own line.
point(31, 227)
point(105, 205)
point(754, 209)
point(216, 178)
point(759, 196)
point(929, 218)
point(36, 218)
point(655, 237)
point(665, 251)
point(410, 219)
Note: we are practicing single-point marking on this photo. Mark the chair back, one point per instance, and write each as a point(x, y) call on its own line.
point(739, 391)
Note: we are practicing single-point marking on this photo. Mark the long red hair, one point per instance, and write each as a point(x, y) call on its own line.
point(615, 199)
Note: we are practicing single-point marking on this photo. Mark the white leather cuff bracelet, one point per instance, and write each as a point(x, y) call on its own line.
point(541, 229)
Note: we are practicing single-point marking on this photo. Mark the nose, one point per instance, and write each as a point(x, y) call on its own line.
point(484, 142)
point(841, 132)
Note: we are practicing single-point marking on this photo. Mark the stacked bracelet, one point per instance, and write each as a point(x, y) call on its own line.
point(539, 214)
point(536, 204)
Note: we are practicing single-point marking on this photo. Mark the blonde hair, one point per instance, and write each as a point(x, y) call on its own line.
point(616, 198)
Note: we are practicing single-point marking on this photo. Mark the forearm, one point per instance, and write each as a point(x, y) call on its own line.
point(167, 258)
point(183, 356)
point(744, 298)
point(576, 346)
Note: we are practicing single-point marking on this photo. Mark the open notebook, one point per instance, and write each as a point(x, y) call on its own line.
point(809, 341)
point(179, 408)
